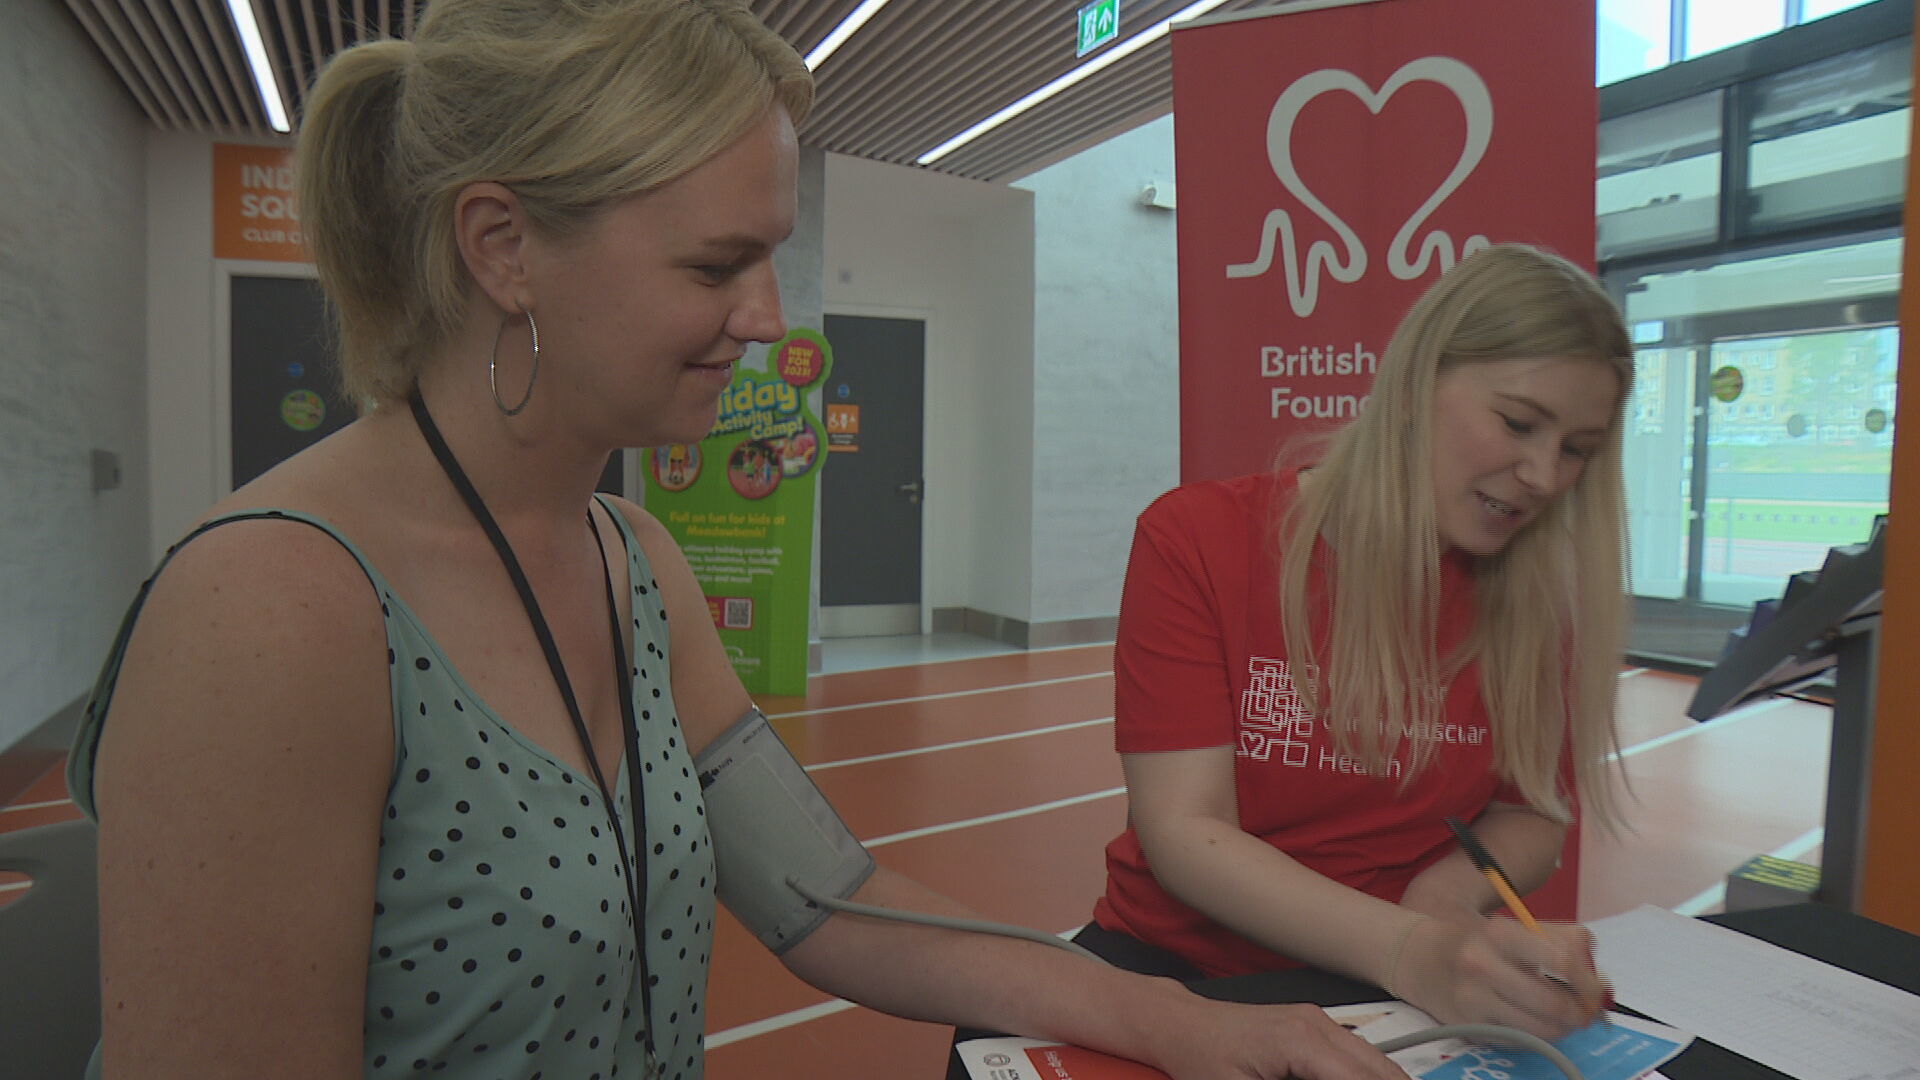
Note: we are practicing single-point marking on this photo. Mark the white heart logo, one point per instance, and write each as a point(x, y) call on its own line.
point(1303, 280)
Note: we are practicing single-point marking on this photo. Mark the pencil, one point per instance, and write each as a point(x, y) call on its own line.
point(1483, 861)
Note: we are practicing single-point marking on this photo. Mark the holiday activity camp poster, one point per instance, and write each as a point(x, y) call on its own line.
point(740, 503)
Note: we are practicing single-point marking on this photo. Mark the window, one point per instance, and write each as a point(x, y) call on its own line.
point(1725, 503)
point(1634, 36)
point(1712, 25)
point(1659, 178)
point(1830, 138)
point(1816, 9)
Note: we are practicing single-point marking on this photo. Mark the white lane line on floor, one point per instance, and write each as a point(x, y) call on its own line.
point(35, 805)
point(1734, 717)
point(798, 1016)
point(775, 1023)
point(942, 696)
point(907, 662)
point(1007, 815)
point(962, 744)
point(1812, 839)
point(1714, 897)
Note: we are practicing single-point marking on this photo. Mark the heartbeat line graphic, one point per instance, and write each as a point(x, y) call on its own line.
point(1348, 262)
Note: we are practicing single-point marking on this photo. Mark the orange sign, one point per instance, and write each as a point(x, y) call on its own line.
point(843, 428)
point(255, 214)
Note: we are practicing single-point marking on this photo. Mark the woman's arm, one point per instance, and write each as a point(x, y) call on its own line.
point(986, 981)
point(1184, 811)
point(239, 785)
point(1527, 846)
point(1002, 984)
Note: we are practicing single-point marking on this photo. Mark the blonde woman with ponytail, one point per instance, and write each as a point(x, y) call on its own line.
point(1418, 618)
point(394, 759)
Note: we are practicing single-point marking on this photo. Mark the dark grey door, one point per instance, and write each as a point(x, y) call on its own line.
point(286, 389)
point(286, 386)
point(872, 487)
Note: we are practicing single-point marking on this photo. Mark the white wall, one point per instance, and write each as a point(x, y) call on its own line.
point(958, 253)
point(1106, 392)
point(180, 342)
point(72, 297)
point(186, 345)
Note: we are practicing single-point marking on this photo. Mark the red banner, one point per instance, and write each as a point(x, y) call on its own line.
point(1332, 160)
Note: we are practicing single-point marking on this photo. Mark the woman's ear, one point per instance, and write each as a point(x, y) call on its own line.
point(491, 230)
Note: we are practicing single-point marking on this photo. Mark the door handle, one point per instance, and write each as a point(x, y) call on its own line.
point(912, 489)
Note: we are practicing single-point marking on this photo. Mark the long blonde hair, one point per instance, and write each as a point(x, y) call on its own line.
point(1551, 606)
point(573, 104)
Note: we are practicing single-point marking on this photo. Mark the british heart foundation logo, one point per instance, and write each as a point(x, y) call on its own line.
point(1348, 261)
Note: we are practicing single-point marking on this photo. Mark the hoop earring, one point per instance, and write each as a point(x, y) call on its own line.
point(493, 365)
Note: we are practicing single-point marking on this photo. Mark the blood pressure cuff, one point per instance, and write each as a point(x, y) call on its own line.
point(770, 823)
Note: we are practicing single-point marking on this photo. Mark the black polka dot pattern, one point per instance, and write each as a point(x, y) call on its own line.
point(502, 943)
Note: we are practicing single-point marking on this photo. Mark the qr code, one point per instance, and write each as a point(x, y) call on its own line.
point(737, 614)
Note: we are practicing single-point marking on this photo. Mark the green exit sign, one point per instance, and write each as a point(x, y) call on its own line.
point(1099, 24)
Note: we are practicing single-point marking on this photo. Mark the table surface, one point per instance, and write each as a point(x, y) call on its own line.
point(1825, 933)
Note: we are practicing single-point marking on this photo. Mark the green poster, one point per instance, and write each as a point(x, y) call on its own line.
point(740, 503)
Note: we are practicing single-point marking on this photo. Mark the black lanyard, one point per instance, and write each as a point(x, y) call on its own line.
point(629, 728)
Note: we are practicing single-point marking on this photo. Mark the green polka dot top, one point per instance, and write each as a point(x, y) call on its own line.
point(502, 945)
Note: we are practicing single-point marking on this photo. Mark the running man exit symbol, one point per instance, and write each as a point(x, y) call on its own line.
point(1099, 24)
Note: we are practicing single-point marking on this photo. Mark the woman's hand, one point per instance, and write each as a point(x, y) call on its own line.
point(1497, 971)
point(1228, 1041)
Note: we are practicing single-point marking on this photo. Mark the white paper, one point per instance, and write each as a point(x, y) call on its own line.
point(1810, 1020)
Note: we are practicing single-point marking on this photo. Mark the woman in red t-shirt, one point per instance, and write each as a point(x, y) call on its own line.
point(1453, 564)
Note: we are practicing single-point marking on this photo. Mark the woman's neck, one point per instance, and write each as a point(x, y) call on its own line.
point(533, 470)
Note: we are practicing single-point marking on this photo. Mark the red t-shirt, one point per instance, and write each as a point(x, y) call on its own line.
point(1201, 661)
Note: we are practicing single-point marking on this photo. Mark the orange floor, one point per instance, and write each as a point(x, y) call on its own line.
point(994, 781)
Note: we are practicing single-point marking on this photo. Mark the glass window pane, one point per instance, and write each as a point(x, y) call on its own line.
point(1658, 463)
point(1815, 9)
point(1804, 431)
point(1634, 36)
point(1716, 24)
point(1830, 138)
point(1659, 177)
point(1799, 461)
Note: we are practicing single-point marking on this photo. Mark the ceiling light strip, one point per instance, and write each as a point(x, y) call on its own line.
point(1035, 146)
point(256, 48)
point(1099, 63)
point(981, 64)
point(832, 42)
point(233, 72)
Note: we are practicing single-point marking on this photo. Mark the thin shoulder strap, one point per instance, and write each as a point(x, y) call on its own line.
point(87, 745)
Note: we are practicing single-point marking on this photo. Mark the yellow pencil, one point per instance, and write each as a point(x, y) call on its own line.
point(1483, 861)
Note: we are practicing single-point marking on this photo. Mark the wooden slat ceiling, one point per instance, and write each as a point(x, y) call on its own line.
point(918, 73)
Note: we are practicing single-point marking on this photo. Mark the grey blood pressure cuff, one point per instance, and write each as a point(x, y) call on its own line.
point(770, 823)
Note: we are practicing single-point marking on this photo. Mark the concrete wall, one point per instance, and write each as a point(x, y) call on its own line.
point(1106, 374)
point(72, 361)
